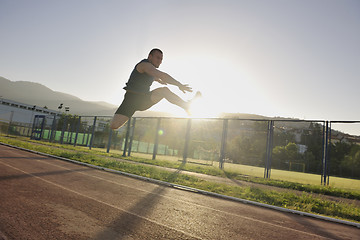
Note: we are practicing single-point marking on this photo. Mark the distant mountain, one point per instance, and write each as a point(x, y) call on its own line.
point(37, 94)
point(242, 116)
point(40, 95)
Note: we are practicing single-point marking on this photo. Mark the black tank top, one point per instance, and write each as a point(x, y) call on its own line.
point(139, 82)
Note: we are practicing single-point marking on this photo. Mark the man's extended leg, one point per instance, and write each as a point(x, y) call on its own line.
point(160, 93)
point(118, 121)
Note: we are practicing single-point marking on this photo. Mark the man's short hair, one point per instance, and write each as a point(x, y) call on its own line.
point(155, 50)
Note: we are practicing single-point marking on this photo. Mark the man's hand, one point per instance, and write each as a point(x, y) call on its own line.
point(185, 88)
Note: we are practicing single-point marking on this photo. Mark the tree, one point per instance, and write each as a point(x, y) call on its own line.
point(313, 139)
point(279, 156)
point(292, 151)
point(338, 152)
point(349, 165)
point(282, 155)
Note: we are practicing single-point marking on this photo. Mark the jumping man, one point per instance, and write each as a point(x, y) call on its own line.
point(138, 96)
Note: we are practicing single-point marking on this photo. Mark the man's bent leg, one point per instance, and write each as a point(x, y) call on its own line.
point(118, 121)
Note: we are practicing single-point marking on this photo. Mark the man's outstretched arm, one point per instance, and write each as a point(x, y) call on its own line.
point(164, 77)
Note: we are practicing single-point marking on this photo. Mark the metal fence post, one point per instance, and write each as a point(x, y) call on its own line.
point(53, 129)
point(77, 130)
point(127, 137)
point(131, 136)
point(328, 155)
point(109, 141)
point(63, 130)
point(73, 129)
point(269, 148)
point(187, 140)
point(10, 121)
point(322, 150)
point(93, 133)
point(325, 153)
point(116, 133)
point(223, 143)
point(156, 145)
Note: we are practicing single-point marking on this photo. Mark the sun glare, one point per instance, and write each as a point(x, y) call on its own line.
point(221, 80)
point(202, 108)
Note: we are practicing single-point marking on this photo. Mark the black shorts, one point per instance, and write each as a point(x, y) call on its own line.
point(134, 102)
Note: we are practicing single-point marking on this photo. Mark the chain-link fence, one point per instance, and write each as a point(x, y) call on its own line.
point(281, 149)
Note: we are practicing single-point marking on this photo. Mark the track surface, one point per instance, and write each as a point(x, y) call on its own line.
point(46, 198)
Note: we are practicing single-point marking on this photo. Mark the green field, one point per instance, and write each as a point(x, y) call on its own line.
point(297, 177)
point(290, 176)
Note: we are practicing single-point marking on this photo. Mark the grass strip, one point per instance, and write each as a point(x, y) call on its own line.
point(304, 202)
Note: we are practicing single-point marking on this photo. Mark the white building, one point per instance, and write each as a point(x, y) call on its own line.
point(21, 112)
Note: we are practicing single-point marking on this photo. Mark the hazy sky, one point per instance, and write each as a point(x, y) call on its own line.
point(284, 58)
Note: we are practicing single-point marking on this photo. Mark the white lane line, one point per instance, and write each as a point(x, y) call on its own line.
point(99, 201)
point(185, 202)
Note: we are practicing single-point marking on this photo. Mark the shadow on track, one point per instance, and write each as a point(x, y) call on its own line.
point(41, 174)
point(129, 223)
